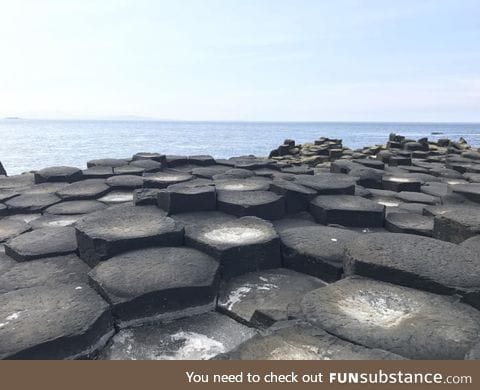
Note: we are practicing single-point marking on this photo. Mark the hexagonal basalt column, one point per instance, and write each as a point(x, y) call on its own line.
point(61, 322)
point(164, 179)
point(62, 174)
point(40, 243)
point(316, 250)
point(106, 233)
point(244, 245)
point(157, 283)
point(264, 297)
point(408, 322)
point(415, 261)
point(261, 204)
point(296, 340)
point(179, 199)
point(85, 189)
point(347, 210)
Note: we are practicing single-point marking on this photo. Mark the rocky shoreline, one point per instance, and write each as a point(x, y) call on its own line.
point(316, 252)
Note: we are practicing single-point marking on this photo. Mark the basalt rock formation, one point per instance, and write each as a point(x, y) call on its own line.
point(316, 252)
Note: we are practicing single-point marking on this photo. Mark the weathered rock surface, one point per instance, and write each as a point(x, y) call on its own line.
point(244, 245)
point(12, 228)
point(294, 340)
point(164, 179)
point(263, 298)
point(33, 203)
point(414, 261)
point(347, 210)
point(85, 189)
point(157, 283)
point(393, 318)
point(456, 224)
point(40, 243)
point(61, 322)
point(105, 233)
point(179, 199)
point(409, 223)
point(261, 204)
point(316, 250)
point(75, 207)
point(61, 173)
point(50, 271)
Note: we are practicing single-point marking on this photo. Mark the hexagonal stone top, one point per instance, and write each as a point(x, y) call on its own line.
point(415, 261)
point(50, 271)
point(328, 183)
point(234, 233)
point(164, 179)
point(411, 323)
point(11, 228)
point(117, 229)
point(46, 242)
point(149, 282)
point(31, 203)
point(61, 173)
point(263, 297)
point(85, 189)
point(294, 340)
point(242, 185)
point(66, 321)
point(193, 338)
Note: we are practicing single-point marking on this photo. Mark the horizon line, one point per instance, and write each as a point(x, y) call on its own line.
point(148, 119)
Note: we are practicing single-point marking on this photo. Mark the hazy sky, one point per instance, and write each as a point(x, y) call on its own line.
point(384, 60)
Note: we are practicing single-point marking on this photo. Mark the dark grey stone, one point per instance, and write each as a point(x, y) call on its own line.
point(297, 197)
point(328, 184)
point(61, 322)
point(157, 284)
point(107, 162)
point(242, 245)
point(295, 340)
point(105, 233)
point(31, 203)
point(145, 196)
point(50, 271)
point(97, 172)
point(316, 250)
point(398, 184)
point(470, 191)
point(261, 204)
point(243, 185)
point(149, 156)
point(61, 173)
point(414, 261)
point(457, 223)
point(199, 337)
point(263, 298)
point(175, 200)
point(347, 210)
point(210, 172)
point(408, 322)
point(75, 207)
point(40, 243)
point(125, 182)
point(164, 179)
point(409, 223)
point(48, 220)
point(11, 228)
point(85, 189)
point(117, 197)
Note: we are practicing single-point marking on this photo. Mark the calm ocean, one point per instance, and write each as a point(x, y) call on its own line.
point(35, 144)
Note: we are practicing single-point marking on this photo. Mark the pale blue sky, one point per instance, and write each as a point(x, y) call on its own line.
point(293, 60)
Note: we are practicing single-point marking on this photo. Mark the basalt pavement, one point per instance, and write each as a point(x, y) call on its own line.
point(316, 252)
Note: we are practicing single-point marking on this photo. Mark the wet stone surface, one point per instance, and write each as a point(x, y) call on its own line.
point(243, 245)
point(199, 337)
point(263, 298)
point(415, 261)
point(393, 318)
point(294, 340)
